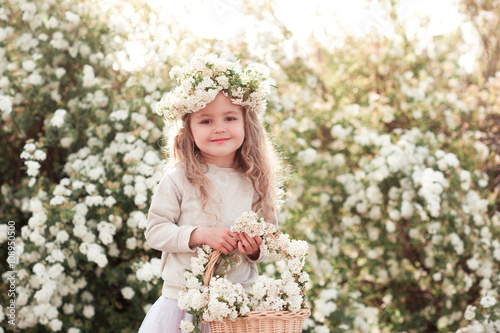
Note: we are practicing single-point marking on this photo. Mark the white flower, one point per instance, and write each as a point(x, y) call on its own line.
point(251, 224)
point(482, 149)
point(186, 326)
point(473, 263)
point(448, 160)
point(72, 17)
point(118, 115)
point(59, 72)
point(432, 184)
point(258, 68)
point(390, 226)
point(58, 118)
point(33, 168)
point(131, 243)
point(39, 155)
point(55, 325)
point(55, 271)
point(307, 156)
point(88, 311)
point(95, 253)
point(289, 124)
point(66, 142)
point(5, 105)
point(321, 329)
point(29, 65)
point(44, 295)
point(30, 147)
point(488, 301)
point(457, 243)
point(193, 298)
point(151, 158)
point(56, 256)
point(128, 292)
point(109, 201)
point(340, 133)
point(470, 312)
point(136, 219)
point(34, 79)
point(193, 283)
point(89, 79)
point(140, 199)
point(3, 233)
point(149, 270)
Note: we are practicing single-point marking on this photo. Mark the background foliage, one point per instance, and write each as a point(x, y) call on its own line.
point(392, 148)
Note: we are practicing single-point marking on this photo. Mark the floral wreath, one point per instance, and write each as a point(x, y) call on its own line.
point(205, 76)
point(215, 299)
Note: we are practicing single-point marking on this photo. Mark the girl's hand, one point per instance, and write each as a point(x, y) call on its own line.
point(249, 246)
point(222, 239)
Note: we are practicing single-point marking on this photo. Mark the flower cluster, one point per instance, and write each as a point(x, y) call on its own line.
point(283, 294)
point(226, 300)
point(483, 317)
point(206, 76)
point(223, 299)
point(32, 155)
point(253, 225)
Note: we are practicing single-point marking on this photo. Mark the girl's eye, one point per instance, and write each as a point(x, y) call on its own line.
point(230, 118)
point(205, 121)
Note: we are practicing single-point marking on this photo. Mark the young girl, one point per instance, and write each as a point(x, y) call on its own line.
point(223, 165)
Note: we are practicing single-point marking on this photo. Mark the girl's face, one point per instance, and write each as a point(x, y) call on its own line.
point(218, 130)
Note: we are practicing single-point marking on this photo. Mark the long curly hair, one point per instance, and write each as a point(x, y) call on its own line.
point(257, 159)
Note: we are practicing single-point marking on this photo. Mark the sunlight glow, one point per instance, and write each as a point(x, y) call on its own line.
point(328, 21)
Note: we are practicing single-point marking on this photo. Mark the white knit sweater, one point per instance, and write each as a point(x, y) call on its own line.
point(176, 211)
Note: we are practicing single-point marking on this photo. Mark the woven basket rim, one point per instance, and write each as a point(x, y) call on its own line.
point(278, 313)
point(303, 313)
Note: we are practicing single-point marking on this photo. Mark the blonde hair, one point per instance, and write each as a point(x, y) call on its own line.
point(256, 159)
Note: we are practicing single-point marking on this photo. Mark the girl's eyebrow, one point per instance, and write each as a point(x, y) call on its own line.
point(200, 115)
point(231, 112)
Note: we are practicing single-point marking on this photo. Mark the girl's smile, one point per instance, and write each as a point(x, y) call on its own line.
point(218, 130)
point(220, 140)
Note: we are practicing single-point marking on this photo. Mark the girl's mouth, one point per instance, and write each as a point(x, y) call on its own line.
point(220, 140)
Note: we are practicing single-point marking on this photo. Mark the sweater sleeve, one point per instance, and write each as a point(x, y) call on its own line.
point(162, 232)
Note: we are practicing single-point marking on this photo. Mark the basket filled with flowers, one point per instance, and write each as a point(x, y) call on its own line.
point(272, 305)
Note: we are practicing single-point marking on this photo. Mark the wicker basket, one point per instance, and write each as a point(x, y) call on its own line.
point(263, 322)
point(255, 321)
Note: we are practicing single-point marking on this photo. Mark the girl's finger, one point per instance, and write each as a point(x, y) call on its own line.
point(241, 248)
point(232, 241)
point(228, 247)
point(234, 235)
point(254, 242)
point(247, 243)
point(224, 250)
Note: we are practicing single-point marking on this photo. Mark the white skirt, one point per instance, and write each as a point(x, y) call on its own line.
point(165, 317)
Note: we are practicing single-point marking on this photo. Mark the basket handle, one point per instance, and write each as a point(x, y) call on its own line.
point(214, 256)
point(209, 270)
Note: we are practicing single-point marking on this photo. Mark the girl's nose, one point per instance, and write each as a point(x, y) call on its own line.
point(220, 129)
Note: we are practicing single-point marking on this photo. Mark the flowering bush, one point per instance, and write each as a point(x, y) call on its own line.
point(221, 299)
point(78, 171)
point(411, 238)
